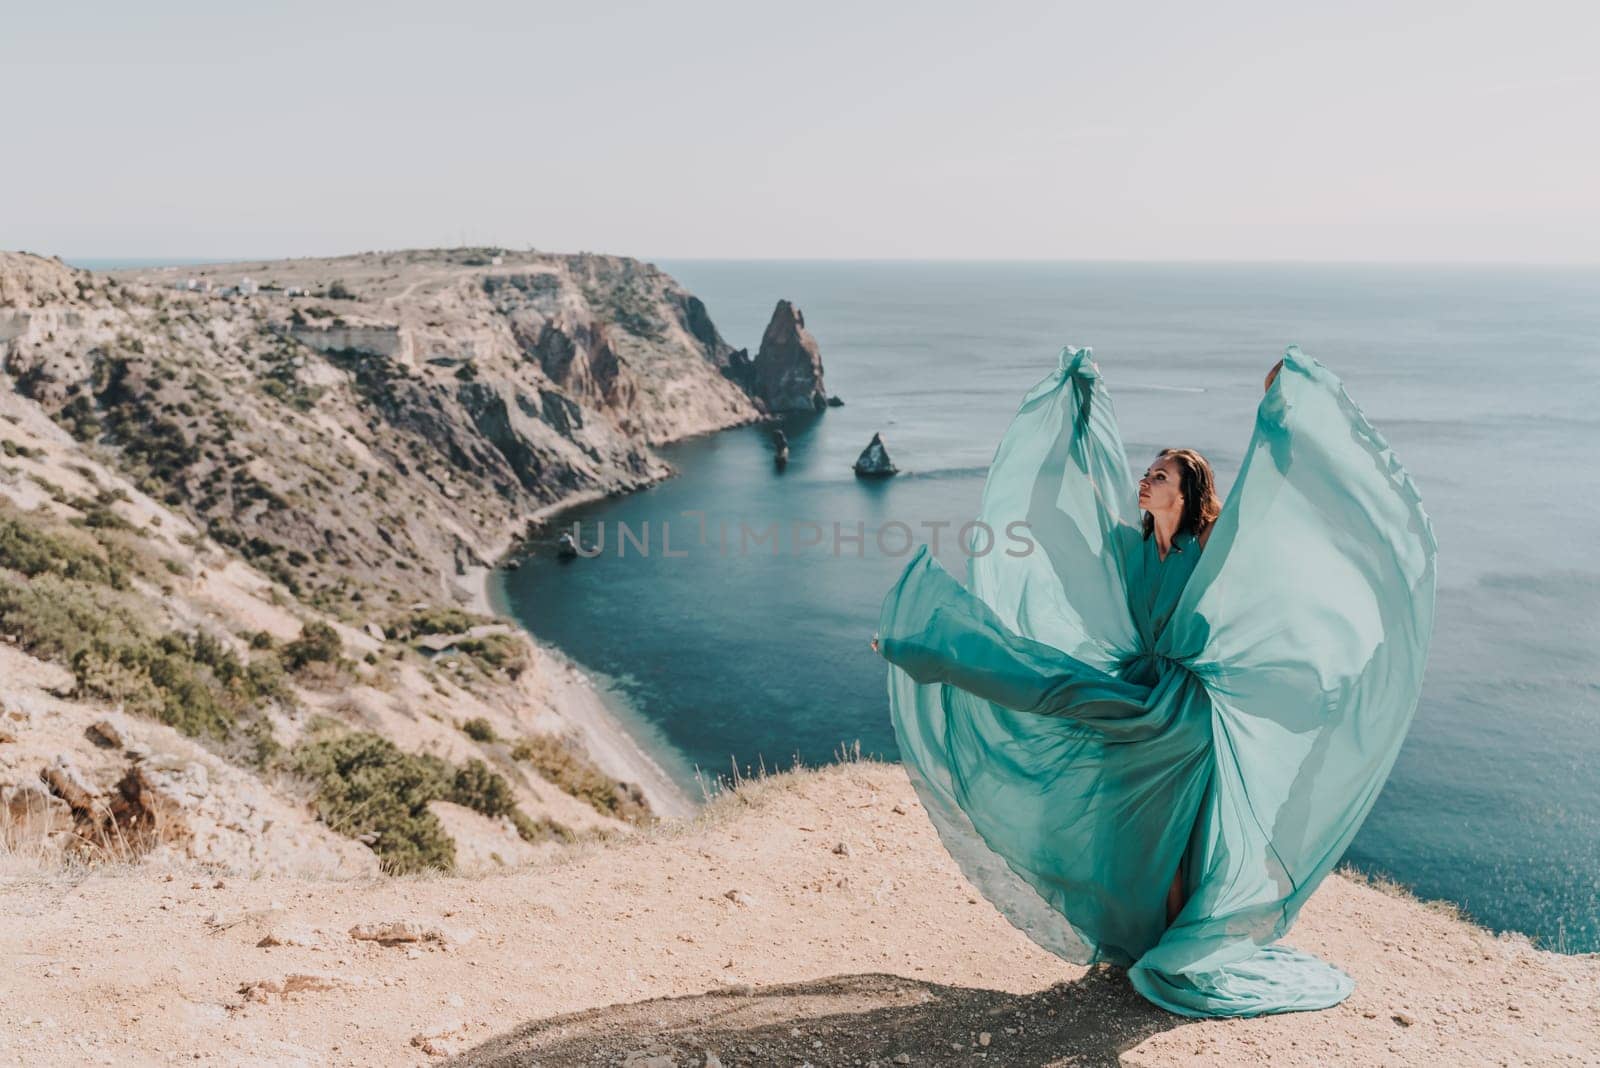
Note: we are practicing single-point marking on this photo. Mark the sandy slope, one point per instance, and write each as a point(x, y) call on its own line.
point(770, 944)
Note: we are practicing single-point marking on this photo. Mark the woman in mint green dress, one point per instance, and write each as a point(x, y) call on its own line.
point(1150, 737)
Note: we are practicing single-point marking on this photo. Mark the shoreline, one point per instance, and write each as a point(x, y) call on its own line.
point(574, 694)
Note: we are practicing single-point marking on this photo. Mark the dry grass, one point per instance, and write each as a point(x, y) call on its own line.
point(104, 839)
point(572, 771)
point(761, 788)
point(1391, 888)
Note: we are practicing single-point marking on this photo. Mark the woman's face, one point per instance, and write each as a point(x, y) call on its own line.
point(1159, 488)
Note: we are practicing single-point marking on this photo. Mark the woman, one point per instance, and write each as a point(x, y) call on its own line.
point(1149, 739)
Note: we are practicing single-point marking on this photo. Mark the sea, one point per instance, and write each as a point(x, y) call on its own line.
point(730, 633)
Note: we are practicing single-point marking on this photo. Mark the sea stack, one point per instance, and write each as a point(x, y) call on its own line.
point(874, 460)
point(787, 371)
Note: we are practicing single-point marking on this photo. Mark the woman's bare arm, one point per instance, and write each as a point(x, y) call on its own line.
point(1271, 375)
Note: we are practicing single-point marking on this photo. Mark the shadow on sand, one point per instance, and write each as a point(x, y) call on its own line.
point(844, 1020)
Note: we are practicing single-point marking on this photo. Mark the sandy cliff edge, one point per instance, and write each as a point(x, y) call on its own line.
point(809, 917)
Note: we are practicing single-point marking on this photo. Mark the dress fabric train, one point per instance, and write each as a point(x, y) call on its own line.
point(1083, 720)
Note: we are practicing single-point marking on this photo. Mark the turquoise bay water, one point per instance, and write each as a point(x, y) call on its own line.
point(1485, 381)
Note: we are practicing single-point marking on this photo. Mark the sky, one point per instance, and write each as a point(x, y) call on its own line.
point(1451, 132)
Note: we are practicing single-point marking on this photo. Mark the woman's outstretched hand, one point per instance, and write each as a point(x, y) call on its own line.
point(874, 643)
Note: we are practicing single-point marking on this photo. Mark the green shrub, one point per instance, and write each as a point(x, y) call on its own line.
point(33, 549)
point(366, 786)
point(482, 790)
point(266, 679)
point(479, 730)
point(79, 418)
point(162, 680)
point(16, 448)
point(495, 652)
point(98, 516)
point(436, 621)
point(61, 599)
point(577, 775)
point(263, 748)
point(318, 642)
point(540, 830)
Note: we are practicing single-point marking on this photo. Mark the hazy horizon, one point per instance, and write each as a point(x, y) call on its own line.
point(1023, 132)
point(111, 263)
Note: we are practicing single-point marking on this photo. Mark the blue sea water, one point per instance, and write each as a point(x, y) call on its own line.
point(1486, 382)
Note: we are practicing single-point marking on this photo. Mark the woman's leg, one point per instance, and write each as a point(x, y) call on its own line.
point(1175, 897)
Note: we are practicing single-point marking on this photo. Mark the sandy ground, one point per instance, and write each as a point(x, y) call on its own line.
point(807, 918)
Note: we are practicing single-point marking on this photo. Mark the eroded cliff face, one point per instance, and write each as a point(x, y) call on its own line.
point(388, 434)
point(237, 522)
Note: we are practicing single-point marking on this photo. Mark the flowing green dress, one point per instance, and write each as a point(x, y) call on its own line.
point(1084, 719)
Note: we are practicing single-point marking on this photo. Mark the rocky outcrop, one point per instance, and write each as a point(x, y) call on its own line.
point(117, 610)
point(113, 790)
point(292, 428)
point(579, 357)
point(786, 374)
point(624, 340)
point(874, 460)
point(383, 341)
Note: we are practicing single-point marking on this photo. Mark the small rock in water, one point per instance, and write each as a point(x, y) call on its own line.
point(874, 460)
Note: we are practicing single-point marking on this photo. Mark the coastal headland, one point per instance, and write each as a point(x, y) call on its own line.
point(277, 786)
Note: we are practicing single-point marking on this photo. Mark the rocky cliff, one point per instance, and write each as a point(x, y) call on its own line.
point(390, 422)
point(241, 510)
point(786, 373)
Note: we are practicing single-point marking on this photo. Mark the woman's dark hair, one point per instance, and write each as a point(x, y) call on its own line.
point(1198, 486)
